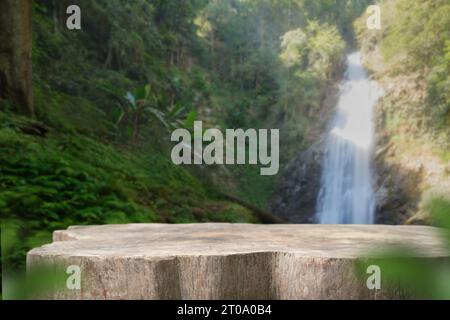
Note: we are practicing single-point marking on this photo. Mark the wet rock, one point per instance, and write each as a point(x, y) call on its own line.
point(296, 196)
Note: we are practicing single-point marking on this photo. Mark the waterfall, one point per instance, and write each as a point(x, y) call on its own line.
point(346, 195)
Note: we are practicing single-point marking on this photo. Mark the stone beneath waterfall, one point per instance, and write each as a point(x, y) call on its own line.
point(295, 199)
point(227, 261)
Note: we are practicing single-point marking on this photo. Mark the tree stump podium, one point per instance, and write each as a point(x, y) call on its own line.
point(228, 261)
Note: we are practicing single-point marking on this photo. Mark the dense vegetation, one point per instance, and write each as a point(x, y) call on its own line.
point(418, 39)
point(107, 96)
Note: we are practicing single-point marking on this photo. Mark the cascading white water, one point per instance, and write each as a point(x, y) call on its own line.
point(346, 195)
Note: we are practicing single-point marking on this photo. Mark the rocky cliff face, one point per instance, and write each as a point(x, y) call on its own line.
point(406, 162)
point(296, 196)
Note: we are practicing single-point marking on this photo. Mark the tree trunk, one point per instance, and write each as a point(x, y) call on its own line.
point(15, 54)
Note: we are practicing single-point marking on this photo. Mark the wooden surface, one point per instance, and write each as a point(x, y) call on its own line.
point(228, 261)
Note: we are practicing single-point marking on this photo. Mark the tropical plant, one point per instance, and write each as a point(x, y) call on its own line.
point(144, 105)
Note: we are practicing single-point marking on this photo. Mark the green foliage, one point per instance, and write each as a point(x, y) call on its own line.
point(439, 91)
point(419, 278)
point(416, 39)
point(295, 46)
point(312, 57)
point(419, 32)
point(422, 277)
point(274, 60)
point(254, 188)
point(231, 213)
point(436, 204)
point(51, 183)
point(144, 106)
point(112, 55)
point(219, 58)
point(38, 283)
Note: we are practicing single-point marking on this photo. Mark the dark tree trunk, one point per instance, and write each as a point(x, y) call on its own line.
point(15, 54)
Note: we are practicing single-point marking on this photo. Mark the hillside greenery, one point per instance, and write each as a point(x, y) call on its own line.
point(416, 39)
point(107, 97)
